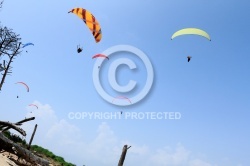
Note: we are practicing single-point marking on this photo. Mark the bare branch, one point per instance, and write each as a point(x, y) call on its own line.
point(13, 126)
point(18, 123)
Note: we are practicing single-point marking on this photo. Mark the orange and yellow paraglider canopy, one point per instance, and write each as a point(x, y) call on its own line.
point(90, 21)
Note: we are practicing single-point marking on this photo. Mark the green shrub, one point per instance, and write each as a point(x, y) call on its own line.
point(49, 154)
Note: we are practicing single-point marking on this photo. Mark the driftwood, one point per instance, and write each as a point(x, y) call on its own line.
point(17, 123)
point(123, 155)
point(32, 137)
point(21, 152)
point(13, 126)
point(12, 147)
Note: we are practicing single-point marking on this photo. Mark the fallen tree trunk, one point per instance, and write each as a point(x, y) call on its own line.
point(21, 152)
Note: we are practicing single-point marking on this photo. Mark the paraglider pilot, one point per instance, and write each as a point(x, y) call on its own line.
point(189, 58)
point(79, 49)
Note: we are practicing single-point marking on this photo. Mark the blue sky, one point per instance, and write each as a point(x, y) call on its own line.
point(211, 91)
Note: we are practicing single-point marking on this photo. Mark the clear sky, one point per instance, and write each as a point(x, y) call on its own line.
point(211, 92)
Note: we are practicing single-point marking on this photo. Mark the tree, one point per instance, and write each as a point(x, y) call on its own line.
point(10, 44)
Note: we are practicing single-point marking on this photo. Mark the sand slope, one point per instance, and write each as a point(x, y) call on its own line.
point(4, 161)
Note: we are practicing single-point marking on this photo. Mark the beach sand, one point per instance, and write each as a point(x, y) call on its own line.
point(5, 161)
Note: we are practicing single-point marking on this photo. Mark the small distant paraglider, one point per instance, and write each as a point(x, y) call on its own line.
point(191, 31)
point(25, 85)
point(100, 56)
point(27, 44)
point(33, 106)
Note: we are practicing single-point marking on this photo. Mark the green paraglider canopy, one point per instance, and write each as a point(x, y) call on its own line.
point(191, 31)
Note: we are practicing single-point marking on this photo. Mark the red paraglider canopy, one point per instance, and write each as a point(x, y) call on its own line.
point(26, 86)
point(100, 55)
point(121, 97)
point(33, 105)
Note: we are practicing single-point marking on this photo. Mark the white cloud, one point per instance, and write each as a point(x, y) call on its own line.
point(63, 129)
point(139, 150)
point(67, 140)
point(198, 162)
point(102, 147)
point(164, 156)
